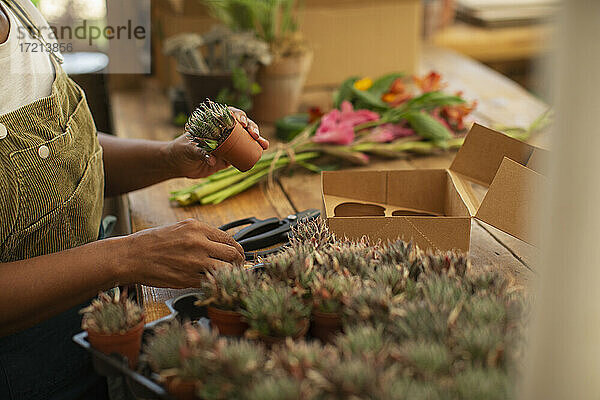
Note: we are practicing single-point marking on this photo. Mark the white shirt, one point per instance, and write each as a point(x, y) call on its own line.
point(25, 75)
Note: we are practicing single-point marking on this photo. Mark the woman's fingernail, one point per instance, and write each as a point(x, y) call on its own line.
point(244, 119)
point(255, 130)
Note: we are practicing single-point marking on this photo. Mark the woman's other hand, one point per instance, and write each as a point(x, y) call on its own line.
point(177, 255)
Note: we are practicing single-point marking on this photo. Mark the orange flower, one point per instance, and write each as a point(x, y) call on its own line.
point(397, 94)
point(455, 114)
point(430, 82)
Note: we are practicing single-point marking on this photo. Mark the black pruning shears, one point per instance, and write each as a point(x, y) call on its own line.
point(259, 237)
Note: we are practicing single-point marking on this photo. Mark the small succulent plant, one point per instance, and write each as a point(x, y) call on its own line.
point(280, 388)
point(209, 125)
point(355, 257)
point(449, 262)
point(274, 310)
point(363, 340)
point(330, 291)
point(225, 288)
point(231, 370)
point(314, 233)
point(296, 358)
point(295, 267)
point(196, 354)
point(346, 379)
point(371, 305)
point(111, 314)
point(396, 278)
point(162, 349)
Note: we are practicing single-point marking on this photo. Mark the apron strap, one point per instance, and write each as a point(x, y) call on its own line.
point(27, 21)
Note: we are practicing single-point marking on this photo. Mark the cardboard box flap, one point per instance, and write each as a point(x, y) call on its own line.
point(510, 202)
point(481, 154)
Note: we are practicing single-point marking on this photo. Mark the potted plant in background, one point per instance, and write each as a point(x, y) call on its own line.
point(225, 290)
point(274, 313)
point(274, 22)
point(214, 129)
point(329, 294)
point(220, 64)
point(115, 324)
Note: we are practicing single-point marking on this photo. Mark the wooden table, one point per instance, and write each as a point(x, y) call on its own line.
point(145, 114)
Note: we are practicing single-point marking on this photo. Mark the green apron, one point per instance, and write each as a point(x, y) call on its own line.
point(51, 199)
point(51, 174)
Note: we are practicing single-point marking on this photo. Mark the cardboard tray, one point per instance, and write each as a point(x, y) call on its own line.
point(142, 382)
point(434, 207)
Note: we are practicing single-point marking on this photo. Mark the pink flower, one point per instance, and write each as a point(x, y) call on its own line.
point(390, 132)
point(337, 126)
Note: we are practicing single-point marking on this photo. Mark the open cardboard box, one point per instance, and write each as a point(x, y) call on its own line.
point(434, 207)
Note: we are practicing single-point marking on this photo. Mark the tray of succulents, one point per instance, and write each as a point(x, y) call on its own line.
point(140, 381)
point(109, 351)
point(259, 237)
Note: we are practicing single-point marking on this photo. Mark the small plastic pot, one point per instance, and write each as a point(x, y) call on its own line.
point(228, 323)
point(302, 330)
point(239, 149)
point(127, 344)
point(325, 326)
point(182, 389)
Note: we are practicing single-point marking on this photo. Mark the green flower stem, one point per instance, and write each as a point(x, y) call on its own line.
point(250, 180)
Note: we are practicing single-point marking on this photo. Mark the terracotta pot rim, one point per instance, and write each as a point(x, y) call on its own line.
point(136, 328)
point(304, 324)
point(328, 315)
point(222, 311)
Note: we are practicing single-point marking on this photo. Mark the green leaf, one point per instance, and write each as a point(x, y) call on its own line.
point(431, 100)
point(370, 100)
point(344, 92)
point(255, 89)
point(428, 127)
point(383, 83)
point(289, 127)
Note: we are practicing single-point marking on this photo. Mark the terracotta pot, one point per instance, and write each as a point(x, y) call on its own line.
point(227, 322)
point(281, 86)
point(239, 149)
point(182, 389)
point(271, 340)
point(325, 326)
point(127, 344)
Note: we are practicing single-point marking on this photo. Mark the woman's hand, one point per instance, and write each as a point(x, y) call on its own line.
point(190, 161)
point(176, 255)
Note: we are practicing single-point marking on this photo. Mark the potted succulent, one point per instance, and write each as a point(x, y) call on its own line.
point(163, 353)
point(234, 366)
point(329, 293)
point(295, 267)
point(214, 129)
point(219, 64)
point(224, 290)
point(115, 324)
point(274, 313)
point(275, 23)
point(372, 305)
point(195, 359)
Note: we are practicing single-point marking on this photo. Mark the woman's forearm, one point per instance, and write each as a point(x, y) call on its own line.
point(131, 164)
point(36, 289)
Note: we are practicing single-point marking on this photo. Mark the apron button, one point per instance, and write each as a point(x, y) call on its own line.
point(44, 151)
point(3, 131)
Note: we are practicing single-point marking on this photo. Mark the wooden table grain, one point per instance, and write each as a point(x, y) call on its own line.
point(145, 113)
